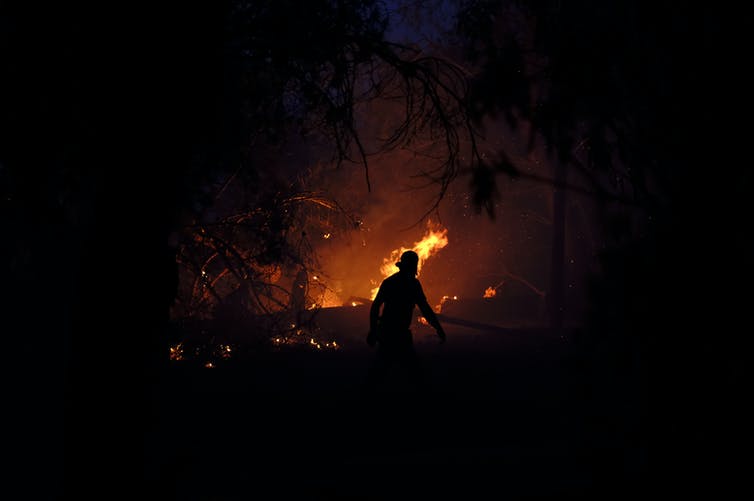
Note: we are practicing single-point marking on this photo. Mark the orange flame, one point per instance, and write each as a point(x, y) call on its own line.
point(432, 241)
point(490, 292)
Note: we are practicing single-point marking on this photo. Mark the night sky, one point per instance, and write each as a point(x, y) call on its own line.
point(168, 174)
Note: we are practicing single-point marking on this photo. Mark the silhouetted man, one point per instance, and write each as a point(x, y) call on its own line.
point(398, 294)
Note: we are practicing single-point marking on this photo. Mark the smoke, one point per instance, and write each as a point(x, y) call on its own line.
point(511, 251)
point(391, 219)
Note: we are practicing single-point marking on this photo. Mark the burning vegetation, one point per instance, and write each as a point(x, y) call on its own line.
point(271, 243)
point(435, 239)
point(231, 301)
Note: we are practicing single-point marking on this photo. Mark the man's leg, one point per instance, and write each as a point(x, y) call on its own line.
point(378, 370)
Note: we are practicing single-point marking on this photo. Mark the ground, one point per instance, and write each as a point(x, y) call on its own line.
point(504, 415)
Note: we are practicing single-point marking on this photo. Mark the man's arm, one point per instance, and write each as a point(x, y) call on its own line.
point(429, 314)
point(374, 311)
point(374, 317)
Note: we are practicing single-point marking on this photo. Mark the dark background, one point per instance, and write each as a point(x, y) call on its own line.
point(102, 111)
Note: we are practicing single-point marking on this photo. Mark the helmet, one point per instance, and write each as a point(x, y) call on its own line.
point(409, 260)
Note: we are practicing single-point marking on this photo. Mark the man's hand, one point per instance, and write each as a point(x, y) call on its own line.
point(372, 338)
point(441, 333)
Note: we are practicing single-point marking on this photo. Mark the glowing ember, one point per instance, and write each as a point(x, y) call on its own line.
point(430, 244)
point(490, 292)
point(445, 299)
point(225, 351)
point(292, 341)
point(176, 352)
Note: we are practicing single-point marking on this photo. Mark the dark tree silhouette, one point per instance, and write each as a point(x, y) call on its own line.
point(113, 121)
point(632, 96)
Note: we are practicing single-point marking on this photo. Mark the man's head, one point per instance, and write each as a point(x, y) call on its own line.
point(409, 263)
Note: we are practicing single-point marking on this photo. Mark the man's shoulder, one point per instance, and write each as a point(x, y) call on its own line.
point(395, 277)
point(402, 281)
